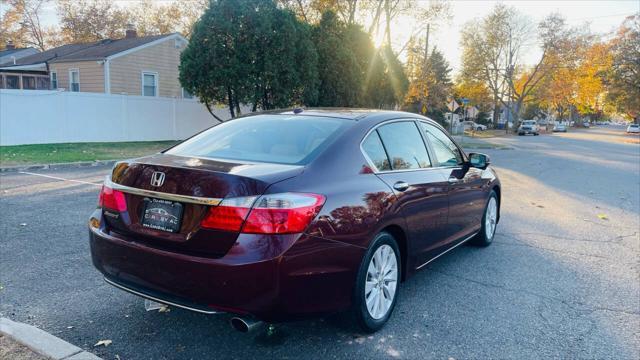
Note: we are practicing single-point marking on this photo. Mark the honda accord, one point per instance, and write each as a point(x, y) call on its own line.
point(290, 214)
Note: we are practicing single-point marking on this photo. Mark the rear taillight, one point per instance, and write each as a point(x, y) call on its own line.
point(229, 215)
point(284, 213)
point(112, 199)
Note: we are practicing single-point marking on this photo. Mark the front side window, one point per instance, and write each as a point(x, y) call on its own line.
point(54, 80)
point(13, 82)
point(372, 146)
point(404, 145)
point(446, 151)
point(149, 84)
point(280, 139)
point(74, 80)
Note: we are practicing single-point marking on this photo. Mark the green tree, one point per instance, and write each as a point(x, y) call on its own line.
point(352, 72)
point(341, 74)
point(249, 51)
point(624, 87)
point(430, 79)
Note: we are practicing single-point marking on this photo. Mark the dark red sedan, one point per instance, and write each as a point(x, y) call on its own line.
point(291, 214)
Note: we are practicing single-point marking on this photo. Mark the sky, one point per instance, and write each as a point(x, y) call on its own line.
point(603, 17)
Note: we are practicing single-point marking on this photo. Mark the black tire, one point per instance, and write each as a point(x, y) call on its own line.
point(481, 239)
point(359, 310)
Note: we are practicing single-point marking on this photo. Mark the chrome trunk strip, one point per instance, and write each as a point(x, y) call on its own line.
point(162, 195)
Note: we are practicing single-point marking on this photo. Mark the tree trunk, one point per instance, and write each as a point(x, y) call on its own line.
point(230, 98)
point(387, 11)
point(208, 105)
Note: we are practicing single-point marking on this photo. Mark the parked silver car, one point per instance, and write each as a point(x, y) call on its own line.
point(559, 128)
point(529, 127)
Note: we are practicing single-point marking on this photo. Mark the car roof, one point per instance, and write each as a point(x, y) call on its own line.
point(341, 113)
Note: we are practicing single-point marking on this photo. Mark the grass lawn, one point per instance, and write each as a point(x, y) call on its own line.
point(486, 133)
point(70, 152)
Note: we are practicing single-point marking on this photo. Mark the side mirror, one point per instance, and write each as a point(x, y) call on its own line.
point(480, 161)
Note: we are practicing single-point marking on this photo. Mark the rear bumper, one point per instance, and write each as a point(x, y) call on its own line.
point(273, 278)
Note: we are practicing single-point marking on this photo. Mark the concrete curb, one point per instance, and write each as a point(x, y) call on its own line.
point(71, 165)
point(42, 342)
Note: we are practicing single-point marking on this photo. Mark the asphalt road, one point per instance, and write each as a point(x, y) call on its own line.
point(559, 281)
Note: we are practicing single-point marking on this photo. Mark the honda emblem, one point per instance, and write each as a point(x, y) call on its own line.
point(157, 179)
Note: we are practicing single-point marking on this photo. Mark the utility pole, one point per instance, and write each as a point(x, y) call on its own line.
point(426, 47)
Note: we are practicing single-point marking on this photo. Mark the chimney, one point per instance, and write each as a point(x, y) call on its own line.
point(10, 45)
point(131, 32)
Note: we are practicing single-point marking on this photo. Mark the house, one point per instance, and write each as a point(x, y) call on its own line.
point(10, 53)
point(133, 65)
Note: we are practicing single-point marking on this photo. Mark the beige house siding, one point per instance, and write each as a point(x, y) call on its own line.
point(91, 75)
point(163, 59)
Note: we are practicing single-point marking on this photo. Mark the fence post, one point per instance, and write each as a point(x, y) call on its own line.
point(175, 129)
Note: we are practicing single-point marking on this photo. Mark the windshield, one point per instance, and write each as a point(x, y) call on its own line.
point(634, 125)
point(529, 122)
point(285, 139)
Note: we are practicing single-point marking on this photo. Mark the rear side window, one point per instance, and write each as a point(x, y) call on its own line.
point(372, 146)
point(446, 151)
point(281, 139)
point(404, 145)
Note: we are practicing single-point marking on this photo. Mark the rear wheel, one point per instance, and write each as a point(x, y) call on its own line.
point(489, 222)
point(376, 290)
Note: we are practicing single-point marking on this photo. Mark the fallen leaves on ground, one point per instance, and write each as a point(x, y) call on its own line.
point(603, 217)
point(104, 343)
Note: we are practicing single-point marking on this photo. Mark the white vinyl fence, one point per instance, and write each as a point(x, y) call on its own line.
point(40, 117)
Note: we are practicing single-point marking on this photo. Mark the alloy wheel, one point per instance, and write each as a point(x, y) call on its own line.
point(381, 282)
point(491, 218)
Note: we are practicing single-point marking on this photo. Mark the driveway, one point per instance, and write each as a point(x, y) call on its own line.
point(562, 278)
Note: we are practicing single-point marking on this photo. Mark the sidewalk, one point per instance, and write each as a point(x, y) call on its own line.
point(40, 342)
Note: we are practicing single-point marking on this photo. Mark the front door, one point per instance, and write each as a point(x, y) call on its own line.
point(466, 198)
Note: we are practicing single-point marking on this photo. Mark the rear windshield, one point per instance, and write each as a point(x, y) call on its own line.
point(285, 139)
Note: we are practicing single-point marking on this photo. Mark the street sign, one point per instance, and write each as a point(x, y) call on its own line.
point(424, 109)
point(453, 105)
point(465, 101)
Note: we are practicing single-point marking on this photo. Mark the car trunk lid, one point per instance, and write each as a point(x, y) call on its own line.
point(184, 188)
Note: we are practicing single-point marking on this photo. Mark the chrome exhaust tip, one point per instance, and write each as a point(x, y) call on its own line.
point(245, 325)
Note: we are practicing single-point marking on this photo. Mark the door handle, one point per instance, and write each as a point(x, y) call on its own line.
point(401, 186)
point(453, 180)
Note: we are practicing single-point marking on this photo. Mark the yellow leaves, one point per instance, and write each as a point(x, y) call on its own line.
point(476, 91)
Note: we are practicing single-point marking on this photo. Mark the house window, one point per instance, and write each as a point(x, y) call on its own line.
point(42, 83)
point(186, 94)
point(54, 80)
point(149, 84)
point(13, 82)
point(28, 82)
point(74, 80)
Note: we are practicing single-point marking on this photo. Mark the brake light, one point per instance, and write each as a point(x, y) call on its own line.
point(284, 213)
point(112, 199)
point(229, 215)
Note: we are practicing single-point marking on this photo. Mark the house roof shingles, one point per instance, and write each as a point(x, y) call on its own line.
point(89, 51)
point(6, 52)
